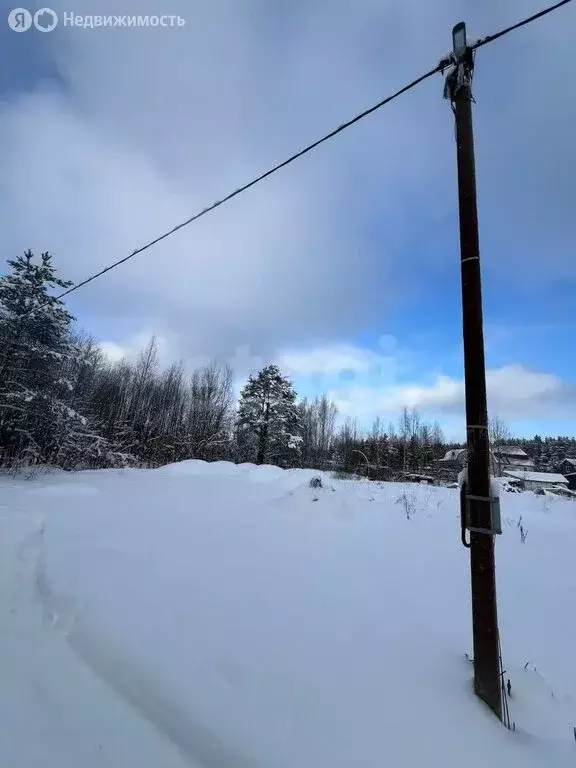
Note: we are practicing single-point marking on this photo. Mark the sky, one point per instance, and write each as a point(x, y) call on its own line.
point(344, 267)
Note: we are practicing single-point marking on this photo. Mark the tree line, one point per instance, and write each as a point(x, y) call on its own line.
point(64, 403)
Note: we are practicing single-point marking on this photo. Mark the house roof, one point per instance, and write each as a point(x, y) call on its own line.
point(511, 450)
point(517, 461)
point(570, 461)
point(510, 453)
point(454, 454)
point(537, 477)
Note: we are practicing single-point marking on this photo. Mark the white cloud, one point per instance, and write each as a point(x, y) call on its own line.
point(167, 349)
point(514, 393)
point(113, 351)
point(336, 359)
point(132, 347)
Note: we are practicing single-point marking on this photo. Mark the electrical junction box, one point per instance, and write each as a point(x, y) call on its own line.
point(495, 515)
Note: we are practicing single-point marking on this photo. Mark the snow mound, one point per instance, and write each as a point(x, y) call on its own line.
point(190, 467)
point(288, 479)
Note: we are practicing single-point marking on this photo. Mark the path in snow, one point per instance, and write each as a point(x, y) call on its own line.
point(53, 710)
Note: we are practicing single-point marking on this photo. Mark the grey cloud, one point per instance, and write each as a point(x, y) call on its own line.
point(156, 123)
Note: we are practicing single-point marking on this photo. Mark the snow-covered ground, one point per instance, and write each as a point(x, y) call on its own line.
point(221, 616)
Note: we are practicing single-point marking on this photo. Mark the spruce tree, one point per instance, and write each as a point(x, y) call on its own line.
point(268, 425)
point(34, 343)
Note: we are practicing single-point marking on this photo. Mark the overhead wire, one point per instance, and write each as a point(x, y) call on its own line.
point(249, 184)
point(513, 27)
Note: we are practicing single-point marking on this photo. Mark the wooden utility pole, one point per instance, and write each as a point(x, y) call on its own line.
point(476, 494)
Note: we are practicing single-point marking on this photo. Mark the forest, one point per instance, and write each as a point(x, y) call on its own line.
point(64, 403)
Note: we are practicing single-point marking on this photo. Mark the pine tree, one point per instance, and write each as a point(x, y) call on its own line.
point(268, 424)
point(34, 344)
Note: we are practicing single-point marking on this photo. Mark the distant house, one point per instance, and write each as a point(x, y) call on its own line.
point(571, 477)
point(567, 467)
point(510, 457)
point(504, 457)
point(455, 458)
point(532, 481)
point(417, 478)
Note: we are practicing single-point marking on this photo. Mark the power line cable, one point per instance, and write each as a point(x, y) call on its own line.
point(251, 183)
point(528, 20)
point(296, 156)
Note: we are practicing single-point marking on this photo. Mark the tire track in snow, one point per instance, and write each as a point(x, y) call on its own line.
point(53, 709)
point(59, 611)
point(198, 744)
